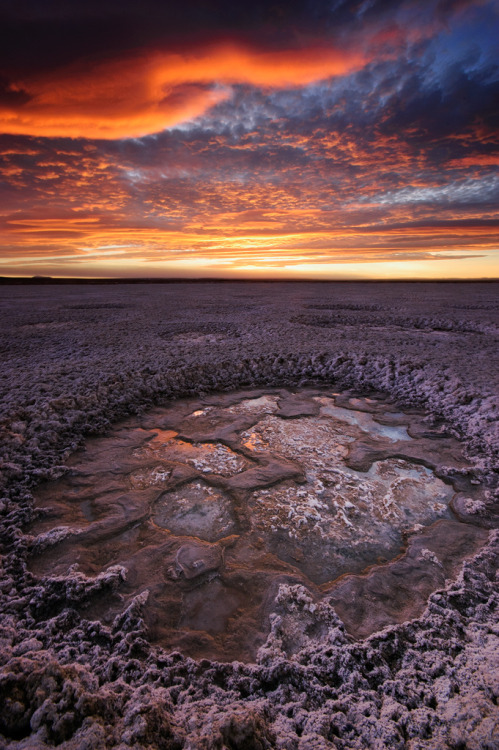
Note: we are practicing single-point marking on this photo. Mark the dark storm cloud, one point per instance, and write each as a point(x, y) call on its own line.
point(10, 94)
point(49, 34)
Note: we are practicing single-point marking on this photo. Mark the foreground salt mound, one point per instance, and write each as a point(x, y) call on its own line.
point(214, 508)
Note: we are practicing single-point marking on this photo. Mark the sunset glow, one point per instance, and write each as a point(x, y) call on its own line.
point(293, 142)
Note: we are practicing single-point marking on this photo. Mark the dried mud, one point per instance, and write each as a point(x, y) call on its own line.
point(212, 526)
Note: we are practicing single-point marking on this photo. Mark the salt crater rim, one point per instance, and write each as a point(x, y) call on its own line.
point(213, 505)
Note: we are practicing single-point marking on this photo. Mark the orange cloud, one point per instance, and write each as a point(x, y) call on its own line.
point(147, 93)
point(475, 160)
point(233, 242)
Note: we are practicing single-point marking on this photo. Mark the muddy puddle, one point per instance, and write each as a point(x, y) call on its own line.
point(209, 505)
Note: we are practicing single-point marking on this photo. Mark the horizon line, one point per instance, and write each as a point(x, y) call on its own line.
point(227, 280)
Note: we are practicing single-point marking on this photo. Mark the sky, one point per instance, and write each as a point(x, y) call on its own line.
point(347, 139)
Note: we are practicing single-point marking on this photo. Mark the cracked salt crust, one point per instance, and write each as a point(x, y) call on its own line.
point(326, 520)
point(210, 458)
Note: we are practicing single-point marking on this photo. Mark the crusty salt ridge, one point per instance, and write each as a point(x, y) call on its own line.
point(77, 358)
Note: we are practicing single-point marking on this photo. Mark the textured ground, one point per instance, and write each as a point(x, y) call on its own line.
point(77, 359)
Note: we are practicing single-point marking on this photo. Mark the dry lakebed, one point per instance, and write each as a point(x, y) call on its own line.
point(249, 515)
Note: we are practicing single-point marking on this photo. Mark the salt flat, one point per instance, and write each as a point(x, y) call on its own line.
point(79, 360)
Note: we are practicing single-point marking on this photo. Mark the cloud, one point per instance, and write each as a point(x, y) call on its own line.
point(363, 143)
point(98, 73)
point(149, 92)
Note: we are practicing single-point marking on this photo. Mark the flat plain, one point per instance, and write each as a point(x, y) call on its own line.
point(285, 655)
